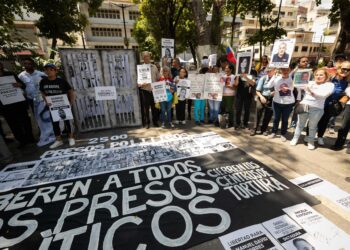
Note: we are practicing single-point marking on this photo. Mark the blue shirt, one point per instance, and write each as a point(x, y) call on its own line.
point(261, 86)
point(339, 88)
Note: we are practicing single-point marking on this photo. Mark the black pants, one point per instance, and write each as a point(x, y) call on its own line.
point(323, 123)
point(147, 102)
point(68, 126)
point(243, 101)
point(180, 110)
point(16, 116)
point(189, 107)
point(265, 111)
point(344, 129)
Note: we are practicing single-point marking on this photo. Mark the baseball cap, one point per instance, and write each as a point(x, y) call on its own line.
point(50, 65)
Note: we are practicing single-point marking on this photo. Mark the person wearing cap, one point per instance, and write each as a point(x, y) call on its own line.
point(263, 103)
point(16, 114)
point(51, 86)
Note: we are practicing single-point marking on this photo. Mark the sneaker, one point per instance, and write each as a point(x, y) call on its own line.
point(56, 144)
point(306, 139)
point(331, 130)
point(172, 125)
point(320, 141)
point(272, 135)
point(310, 146)
point(266, 133)
point(336, 147)
point(163, 125)
point(183, 122)
point(71, 142)
point(294, 142)
point(283, 138)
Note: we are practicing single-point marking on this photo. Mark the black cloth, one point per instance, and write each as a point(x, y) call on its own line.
point(344, 129)
point(265, 111)
point(244, 98)
point(180, 110)
point(57, 129)
point(54, 87)
point(147, 101)
point(323, 123)
point(189, 108)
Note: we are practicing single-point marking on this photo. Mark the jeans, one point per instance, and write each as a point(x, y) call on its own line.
point(281, 110)
point(227, 107)
point(243, 100)
point(314, 115)
point(214, 108)
point(165, 107)
point(199, 107)
point(344, 129)
point(263, 111)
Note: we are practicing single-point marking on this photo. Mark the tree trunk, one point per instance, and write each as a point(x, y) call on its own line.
point(342, 41)
point(53, 48)
point(193, 52)
point(235, 10)
point(202, 24)
point(215, 24)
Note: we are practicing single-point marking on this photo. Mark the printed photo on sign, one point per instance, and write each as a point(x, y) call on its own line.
point(167, 49)
point(253, 237)
point(60, 108)
point(196, 86)
point(213, 87)
point(105, 93)
point(8, 93)
point(159, 91)
point(212, 60)
point(282, 53)
point(144, 74)
point(302, 77)
point(183, 89)
point(244, 63)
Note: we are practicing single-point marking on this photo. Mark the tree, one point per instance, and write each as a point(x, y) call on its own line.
point(267, 33)
point(233, 8)
point(61, 19)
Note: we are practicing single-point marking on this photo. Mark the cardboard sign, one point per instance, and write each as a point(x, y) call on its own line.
point(144, 74)
point(60, 108)
point(282, 53)
point(244, 63)
point(213, 88)
point(197, 86)
point(8, 93)
point(159, 91)
point(105, 93)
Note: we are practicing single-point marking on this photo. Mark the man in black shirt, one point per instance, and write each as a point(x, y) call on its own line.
point(50, 86)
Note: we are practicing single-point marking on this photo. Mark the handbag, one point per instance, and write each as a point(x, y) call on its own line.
point(301, 108)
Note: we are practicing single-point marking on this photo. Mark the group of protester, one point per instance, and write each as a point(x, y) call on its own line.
point(313, 106)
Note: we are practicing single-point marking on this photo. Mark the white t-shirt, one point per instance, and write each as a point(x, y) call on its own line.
point(320, 94)
point(228, 80)
point(282, 97)
point(347, 92)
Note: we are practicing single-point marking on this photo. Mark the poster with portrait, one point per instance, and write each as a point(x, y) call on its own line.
point(60, 108)
point(302, 77)
point(144, 73)
point(8, 93)
point(196, 86)
point(282, 53)
point(213, 87)
point(168, 49)
point(159, 91)
point(183, 89)
point(244, 63)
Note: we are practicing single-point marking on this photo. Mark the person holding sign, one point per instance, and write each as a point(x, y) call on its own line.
point(51, 86)
point(165, 107)
point(181, 105)
point(229, 93)
point(15, 112)
point(316, 93)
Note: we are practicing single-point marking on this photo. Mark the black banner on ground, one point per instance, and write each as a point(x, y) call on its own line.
point(177, 204)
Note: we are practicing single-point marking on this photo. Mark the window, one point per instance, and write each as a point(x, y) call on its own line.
point(310, 49)
point(106, 32)
point(251, 21)
point(106, 13)
point(290, 14)
point(283, 13)
point(275, 12)
point(133, 15)
point(135, 47)
point(304, 48)
point(296, 48)
point(131, 31)
point(106, 47)
point(256, 51)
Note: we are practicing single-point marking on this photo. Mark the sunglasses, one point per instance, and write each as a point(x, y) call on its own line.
point(345, 70)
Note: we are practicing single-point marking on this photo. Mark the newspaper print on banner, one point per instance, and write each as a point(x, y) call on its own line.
point(8, 93)
point(289, 234)
point(197, 86)
point(302, 77)
point(183, 89)
point(159, 91)
point(105, 93)
point(282, 53)
point(253, 237)
point(144, 74)
point(213, 88)
point(328, 235)
point(13, 175)
point(60, 107)
point(315, 185)
point(170, 205)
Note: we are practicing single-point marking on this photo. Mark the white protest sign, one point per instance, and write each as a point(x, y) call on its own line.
point(213, 88)
point(282, 53)
point(60, 108)
point(144, 73)
point(196, 86)
point(105, 93)
point(183, 89)
point(253, 237)
point(8, 93)
point(328, 235)
point(244, 63)
point(315, 185)
point(212, 60)
point(159, 91)
point(168, 49)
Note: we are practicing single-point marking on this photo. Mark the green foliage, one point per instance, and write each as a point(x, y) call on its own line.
point(266, 36)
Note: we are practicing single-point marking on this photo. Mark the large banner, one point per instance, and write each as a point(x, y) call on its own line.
point(173, 204)
point(60, 108)
point(213, 88)
point(197, 86)
point(8, 93)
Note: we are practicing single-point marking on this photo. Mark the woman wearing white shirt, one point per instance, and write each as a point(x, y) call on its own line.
point(283, 101)
point(228, 94)
point(316, 93)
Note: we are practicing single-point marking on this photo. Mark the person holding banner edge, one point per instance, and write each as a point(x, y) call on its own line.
point(50, 86)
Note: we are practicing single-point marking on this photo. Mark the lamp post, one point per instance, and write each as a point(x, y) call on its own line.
point(123, 7)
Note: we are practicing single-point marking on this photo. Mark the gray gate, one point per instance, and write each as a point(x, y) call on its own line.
point(87, 69)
